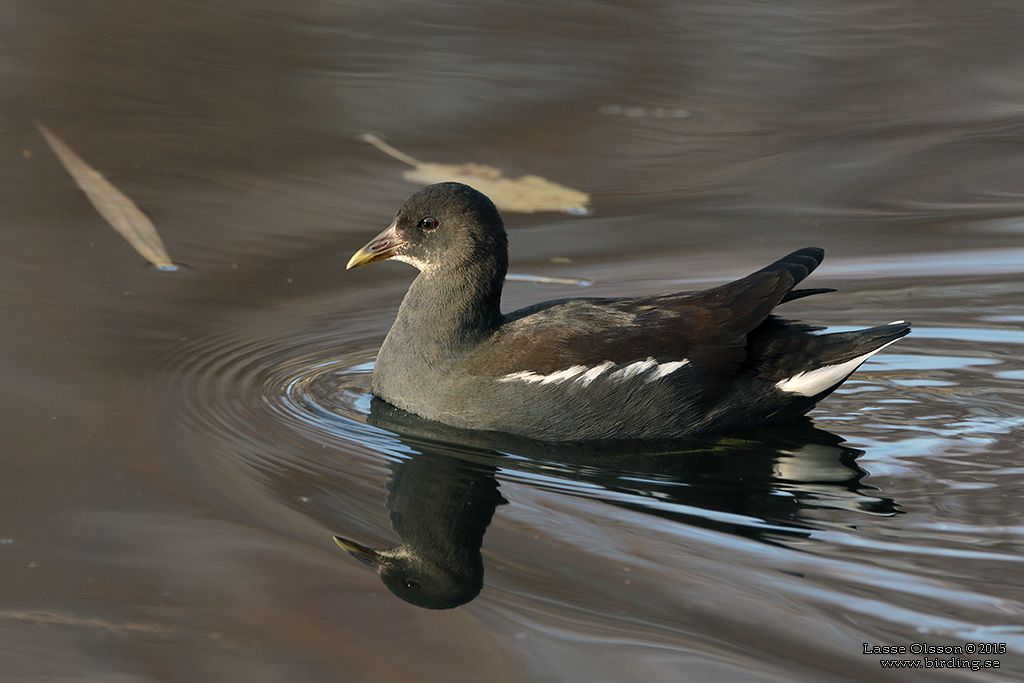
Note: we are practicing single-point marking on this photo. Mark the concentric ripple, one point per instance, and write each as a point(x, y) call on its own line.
point(283, 400)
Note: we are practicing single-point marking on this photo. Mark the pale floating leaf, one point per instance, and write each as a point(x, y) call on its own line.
point(525, 194)
point(44, 618)
point(112, 204)
point(545, 280)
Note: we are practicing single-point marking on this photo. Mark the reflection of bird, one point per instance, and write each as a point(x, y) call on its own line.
point(587, 368)
point(441, 499)
point(440, 508)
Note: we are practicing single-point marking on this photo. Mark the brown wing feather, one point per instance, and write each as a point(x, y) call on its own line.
point(710, 327)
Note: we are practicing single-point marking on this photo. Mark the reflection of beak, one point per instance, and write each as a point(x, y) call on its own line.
point(381, 247)
point(364, 554)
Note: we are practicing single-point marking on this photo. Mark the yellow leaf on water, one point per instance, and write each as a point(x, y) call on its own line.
point(112, 204)
point(525, 194)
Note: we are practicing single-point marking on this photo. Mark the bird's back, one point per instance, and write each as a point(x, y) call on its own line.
point(659, 366)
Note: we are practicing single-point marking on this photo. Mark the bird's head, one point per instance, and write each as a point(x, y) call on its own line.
point(442, 225)
point(417, 580)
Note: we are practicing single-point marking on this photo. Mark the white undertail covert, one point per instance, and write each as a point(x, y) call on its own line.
point(813, 382)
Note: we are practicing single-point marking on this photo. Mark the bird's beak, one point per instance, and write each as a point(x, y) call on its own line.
point(364, 554)
point(381, 247)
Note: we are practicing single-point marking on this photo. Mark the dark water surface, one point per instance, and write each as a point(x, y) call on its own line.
point(179, 448)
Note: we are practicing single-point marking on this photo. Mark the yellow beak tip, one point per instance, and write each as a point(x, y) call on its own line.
point(381, 247)
point(358, 259)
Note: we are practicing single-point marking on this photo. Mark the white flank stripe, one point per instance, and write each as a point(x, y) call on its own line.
point(583, 375)
point(813, 382)
point(595, 372)
point(559, 376)
point(525, 376)
point(667, 369)
point(633, 369)
point(563, 375)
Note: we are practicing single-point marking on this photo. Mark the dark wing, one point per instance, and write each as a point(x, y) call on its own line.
point(710, 328)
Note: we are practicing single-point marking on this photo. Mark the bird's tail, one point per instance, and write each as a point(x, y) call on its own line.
point(837, 356)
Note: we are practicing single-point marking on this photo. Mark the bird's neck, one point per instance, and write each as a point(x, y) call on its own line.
point(447, 311)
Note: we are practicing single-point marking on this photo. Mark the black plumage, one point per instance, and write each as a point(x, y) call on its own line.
point(658, 366)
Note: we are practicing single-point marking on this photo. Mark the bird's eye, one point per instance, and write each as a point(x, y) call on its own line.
point(409, 583)
point(428, 223)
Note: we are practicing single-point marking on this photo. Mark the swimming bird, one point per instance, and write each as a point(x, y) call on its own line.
point(585, 368)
